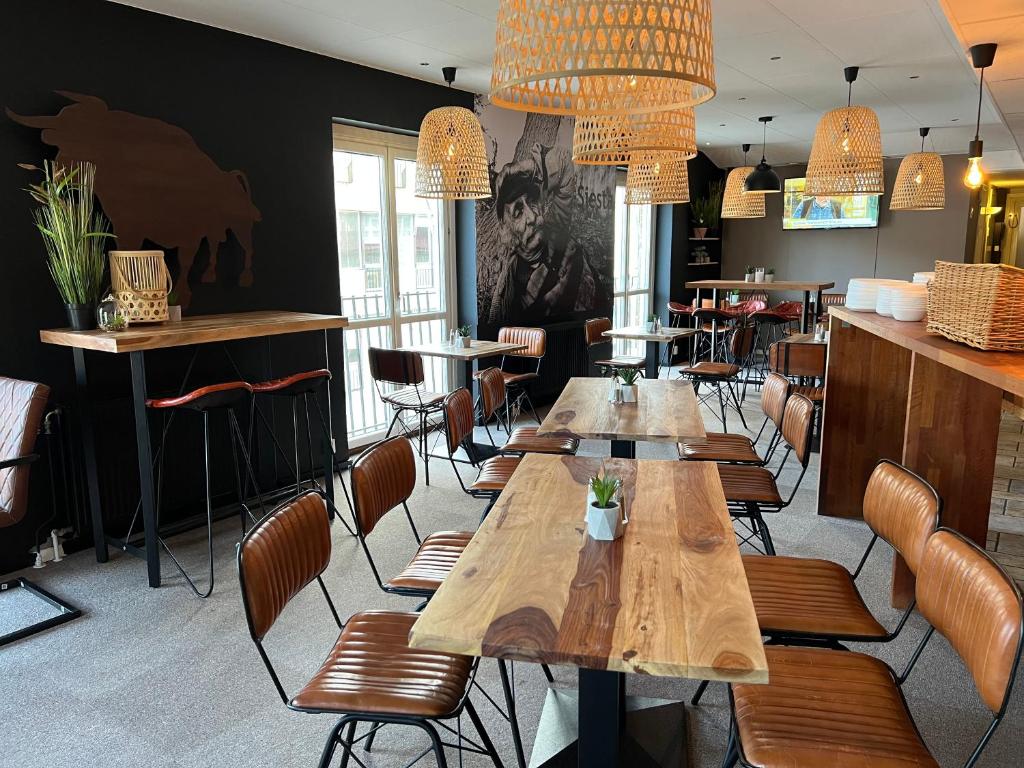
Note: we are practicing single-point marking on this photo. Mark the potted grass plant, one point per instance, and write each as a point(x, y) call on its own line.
point(628, 377)
point(464, 337)
point(604, 511)
point(769, 274)
point(748, 274)
point(707, 210)
point(74, 233)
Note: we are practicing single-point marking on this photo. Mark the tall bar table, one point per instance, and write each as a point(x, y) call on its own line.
point(135, 342)
point(776, 285)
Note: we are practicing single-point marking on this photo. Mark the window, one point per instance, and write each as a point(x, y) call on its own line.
point(395, 266)
point(633, 257)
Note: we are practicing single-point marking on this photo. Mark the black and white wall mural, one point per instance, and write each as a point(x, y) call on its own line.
point(545, 239)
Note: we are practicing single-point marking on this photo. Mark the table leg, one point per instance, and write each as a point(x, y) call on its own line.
point(714, 325)
point(602, 715)
point(88, 438)
point(328, 439)
point(805, 316)
point(623, 449)
point(145, 451)
point(652, 370)
point(817, 309)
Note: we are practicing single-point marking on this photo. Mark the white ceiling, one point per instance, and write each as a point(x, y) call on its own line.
point(914, 71)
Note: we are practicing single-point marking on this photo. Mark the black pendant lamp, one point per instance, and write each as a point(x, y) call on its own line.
point(763, 180)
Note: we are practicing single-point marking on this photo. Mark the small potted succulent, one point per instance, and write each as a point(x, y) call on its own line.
point(604, 510)
point(628, 377)
point(748, 274)
point(464, 338)
point(173, 308)
point(769, 275)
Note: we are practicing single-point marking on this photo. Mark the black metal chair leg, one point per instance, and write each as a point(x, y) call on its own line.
point(739, 410)
point(442, 761)
point(762, 528)
point(485, 739)
point(368, 744)
point(699, 693)
point(247, 459)
point(332, 742)
point(732, 752)
point(721, 406)
point(547, 673)
point(513, 718)
point(346, 744)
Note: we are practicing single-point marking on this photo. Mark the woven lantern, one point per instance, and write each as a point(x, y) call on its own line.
point(451, 163)
point(737, 204)
point(846, 157)
point(577, 57)
point(920, 182)
point(612, 139)
point(656, 180)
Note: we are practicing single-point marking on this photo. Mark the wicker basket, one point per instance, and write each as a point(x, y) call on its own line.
point(981, 305)
point(140, 282)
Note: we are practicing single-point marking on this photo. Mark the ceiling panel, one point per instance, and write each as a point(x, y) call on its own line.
point(389, 17)
point(808, 12)
point(912, 35)
point(469, 36)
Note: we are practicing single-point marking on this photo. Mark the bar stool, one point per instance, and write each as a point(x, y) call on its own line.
point(300, 388)
point(770, 328)
point(206, 400)
point(724, 374)
point(712, 324)
point(521, 368)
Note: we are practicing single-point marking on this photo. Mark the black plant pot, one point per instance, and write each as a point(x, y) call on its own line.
point(81, 317)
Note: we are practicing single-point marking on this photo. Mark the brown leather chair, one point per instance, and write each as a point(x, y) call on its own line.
point(371, 675)
point(22, 407)
point(825, 707)
point(523, 367)
point(494, 472)
point(599, 349)
point(721, 376)
point(402, 376)
point(751, 491)
point(807, 601)
point(383, 479)
point(728, 448)
point(493, 399)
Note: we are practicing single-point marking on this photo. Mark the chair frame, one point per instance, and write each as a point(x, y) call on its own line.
point(375, 719)
point(467, 445)
point(719, 381)
point(734, 750)
point(518, 391)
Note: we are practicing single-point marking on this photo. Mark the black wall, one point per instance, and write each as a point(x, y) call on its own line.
point(251, 105)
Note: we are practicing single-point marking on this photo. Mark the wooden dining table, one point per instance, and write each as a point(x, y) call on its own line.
point(666, 411)
point(654, 339)
point(667, 599)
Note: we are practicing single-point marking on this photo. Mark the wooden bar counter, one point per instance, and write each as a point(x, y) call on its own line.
point(895, 391)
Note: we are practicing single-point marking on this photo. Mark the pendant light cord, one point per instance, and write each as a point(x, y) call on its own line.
point(981, 88)
point(764, 140)
point(849, 94)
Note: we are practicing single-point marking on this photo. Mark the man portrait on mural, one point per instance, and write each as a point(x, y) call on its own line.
point(545, 271)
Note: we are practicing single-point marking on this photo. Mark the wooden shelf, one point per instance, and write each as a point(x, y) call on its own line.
point(705, 239)
point(700, 263)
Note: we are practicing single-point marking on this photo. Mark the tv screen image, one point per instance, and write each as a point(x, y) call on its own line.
point(837, 212)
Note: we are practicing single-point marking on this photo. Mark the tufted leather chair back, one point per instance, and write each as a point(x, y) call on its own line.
point(973, 603)
point(492, 392)
point(741, 343)
point(279, 556)
point(22, 406)
point(458, 417)
point(797, 359)
point(393, 366)
point(536, 340)
point(774, 394)
point(903, 509)
point(593, 330)
point(796, 426)
point(383, 477)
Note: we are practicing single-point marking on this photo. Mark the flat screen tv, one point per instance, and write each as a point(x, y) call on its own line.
point(838, 212)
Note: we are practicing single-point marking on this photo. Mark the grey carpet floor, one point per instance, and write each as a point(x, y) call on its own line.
point(158, 678)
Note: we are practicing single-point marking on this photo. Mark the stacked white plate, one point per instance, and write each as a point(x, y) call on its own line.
point(910, 302)
point(924, 277)
point(862, 293)
point(884, 295)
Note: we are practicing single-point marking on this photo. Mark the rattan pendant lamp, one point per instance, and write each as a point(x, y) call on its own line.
point(654, 179)
point(920, 182)
point(451, 163)
point(613, 139)
point(982, 56)
point(846, 157)
point(762, 180)
point(737, 204)
point(579, 57)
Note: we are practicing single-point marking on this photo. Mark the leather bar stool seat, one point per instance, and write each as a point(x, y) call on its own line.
point(519, 378)
point(745, 483)
point(495, 474)
point(372, 669)
point(827, 708)
point(526, 440)
point(707, 368)
point(205, 398)
point(814, 394)
point(433, 561)
point(804, 596)
point(719, 446)
point(296, 384)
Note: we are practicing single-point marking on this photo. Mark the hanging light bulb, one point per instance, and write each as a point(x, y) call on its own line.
point(451, 162)
point(920, 182)
point(846, 156)
point(737, 204)
point(982, 56)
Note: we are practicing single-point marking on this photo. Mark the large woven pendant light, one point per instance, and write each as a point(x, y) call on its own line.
point(613, 139)
point(762, 180)
point(846, 157)
point(578, 57)
point(920, 182)
point(656, 180)
point(982, 57)
point(737, 204)
point(451, 163)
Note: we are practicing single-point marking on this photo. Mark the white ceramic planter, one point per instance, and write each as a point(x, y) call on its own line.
point(174, 313)
point(748, 277)
point(628, 392)
point(465, 341)
point(768, 278)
